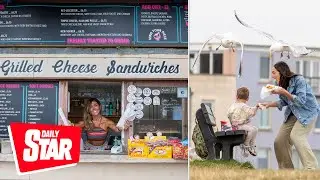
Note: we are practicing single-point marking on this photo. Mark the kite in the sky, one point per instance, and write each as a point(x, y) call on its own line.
point(227, 40)
point(279, 45)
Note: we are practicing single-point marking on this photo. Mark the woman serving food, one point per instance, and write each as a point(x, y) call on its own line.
point(97, 126)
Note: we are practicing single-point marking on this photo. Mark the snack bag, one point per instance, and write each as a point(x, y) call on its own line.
point(266, 90)
point(185, 154)
point(178, 151)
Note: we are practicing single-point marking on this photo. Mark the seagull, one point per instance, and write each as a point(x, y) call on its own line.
point(227, 40)
point(279, 45)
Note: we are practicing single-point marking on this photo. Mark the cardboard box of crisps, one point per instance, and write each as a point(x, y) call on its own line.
point(155, 138)
point(162, 152)
point(137, 149)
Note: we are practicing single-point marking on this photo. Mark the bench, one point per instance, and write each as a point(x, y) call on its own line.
point(217, 141)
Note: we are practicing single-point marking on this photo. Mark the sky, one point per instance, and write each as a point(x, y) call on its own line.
point(293, 21)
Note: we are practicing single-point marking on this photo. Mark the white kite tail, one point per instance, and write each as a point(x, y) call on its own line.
point(203, 45)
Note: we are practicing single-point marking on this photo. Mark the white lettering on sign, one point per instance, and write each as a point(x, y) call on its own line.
point(24, 66)
point(44, 145)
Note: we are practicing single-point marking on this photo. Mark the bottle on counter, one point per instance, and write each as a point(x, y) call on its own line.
point(118, 107)
point(107, 108)
point(110, 108)
point(103, 103)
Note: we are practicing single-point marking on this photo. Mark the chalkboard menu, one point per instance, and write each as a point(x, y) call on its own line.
point(28, 102)
point(157, 24)
point(90, 25)
point(184, 23)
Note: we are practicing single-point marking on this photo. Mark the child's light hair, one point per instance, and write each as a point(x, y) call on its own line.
point(243, 93)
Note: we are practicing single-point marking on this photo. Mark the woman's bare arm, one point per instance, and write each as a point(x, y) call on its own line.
point(110, 124)
point(79, 124)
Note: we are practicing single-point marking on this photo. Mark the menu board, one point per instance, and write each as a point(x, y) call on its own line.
point(157, 24)
point(184, 23)
point(11, 106)
point(28, 102)
point(90, 25)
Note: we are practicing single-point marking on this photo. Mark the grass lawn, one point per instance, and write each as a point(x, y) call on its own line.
point(228, 170)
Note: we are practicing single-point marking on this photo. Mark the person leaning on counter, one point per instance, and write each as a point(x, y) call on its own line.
point(96, 126)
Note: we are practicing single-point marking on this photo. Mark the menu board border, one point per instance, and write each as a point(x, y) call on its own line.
point(158, 42)
point(134, 44)
point(180, 24)
point(25, 95)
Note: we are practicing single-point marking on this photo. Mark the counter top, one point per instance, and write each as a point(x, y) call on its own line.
point(107, 158)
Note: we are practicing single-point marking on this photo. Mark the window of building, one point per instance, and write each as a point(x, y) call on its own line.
point(209, 63)
point(263, 158)
point(306, 68)
point(217, 63)
point(310, 70)
point(298, 67)
point(264, 68)
point(264, 119)
point(205, 64)
point(315, 69)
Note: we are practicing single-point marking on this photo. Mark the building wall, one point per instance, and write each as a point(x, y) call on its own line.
point(229, 62)
point(250, 79)
point(218, 88)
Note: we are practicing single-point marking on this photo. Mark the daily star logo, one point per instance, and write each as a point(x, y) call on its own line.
point(39, 148)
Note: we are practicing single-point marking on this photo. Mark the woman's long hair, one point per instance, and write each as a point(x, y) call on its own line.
point(87, 115)
point(285, 74)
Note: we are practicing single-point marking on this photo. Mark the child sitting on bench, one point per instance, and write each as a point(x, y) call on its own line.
point(239, 115)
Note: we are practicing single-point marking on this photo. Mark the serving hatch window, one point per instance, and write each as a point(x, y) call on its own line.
point(109, 96)
point(159, 108)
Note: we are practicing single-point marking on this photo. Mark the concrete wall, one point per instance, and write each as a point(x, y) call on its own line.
point(219, 88)
point(119, 171)
point(229, 62)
